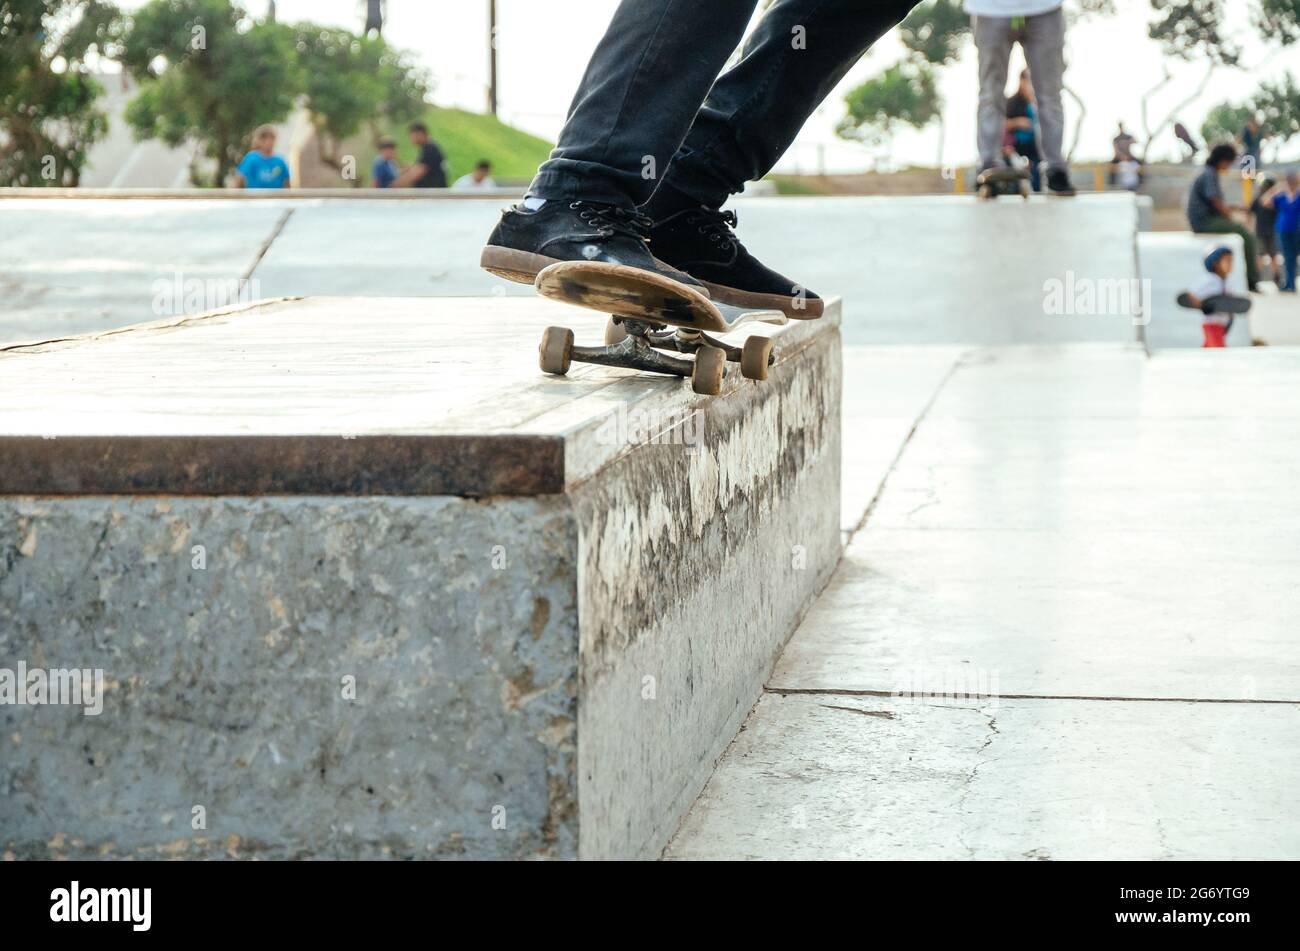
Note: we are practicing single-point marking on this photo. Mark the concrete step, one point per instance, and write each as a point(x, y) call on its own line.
point(362, 582)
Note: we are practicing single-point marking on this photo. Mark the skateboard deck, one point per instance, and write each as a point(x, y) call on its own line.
point(632, 292)
point(651, 313)
point(1220, 303)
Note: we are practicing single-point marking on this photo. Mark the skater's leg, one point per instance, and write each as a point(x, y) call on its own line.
point(642, 89)
point(1044, 44)
point(1030, 151)
point(993, 41)
point(1290, 242)
point(1043, 39)
point(793, 60)
point(796, 56)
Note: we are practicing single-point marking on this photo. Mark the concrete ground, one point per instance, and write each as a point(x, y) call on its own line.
point(1065, 628)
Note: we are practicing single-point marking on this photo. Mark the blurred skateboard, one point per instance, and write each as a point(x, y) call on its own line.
point(1003, 181)
point(1219, 304)
point(651, 313)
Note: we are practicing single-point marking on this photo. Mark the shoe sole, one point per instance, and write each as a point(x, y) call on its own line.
point(796, 308)
point(522, 267)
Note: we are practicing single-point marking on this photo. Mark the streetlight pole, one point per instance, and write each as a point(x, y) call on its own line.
point(492, 57)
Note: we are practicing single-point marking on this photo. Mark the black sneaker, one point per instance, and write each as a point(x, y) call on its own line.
point(699, 241)
point(1058, 183)
point(525, 242)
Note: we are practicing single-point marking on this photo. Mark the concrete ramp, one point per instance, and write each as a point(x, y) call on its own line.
point(913, 270)
point(75, 266)
point(953, 269)
point(361, 582)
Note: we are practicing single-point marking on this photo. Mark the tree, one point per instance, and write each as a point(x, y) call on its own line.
point(1278, 105)
point(1225, 121)
point(48, 119)
point(905, 93)
point(208, 74)
point(935, 32)
point(1187, 30)
point(1279, 19)
point(353, 81)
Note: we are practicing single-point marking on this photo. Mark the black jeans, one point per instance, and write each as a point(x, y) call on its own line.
point(652, 107)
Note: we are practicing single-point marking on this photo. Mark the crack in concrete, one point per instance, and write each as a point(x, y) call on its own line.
point(994, 733)
point(916, 425)
point(266, 245)
point(882, 714)
point(910, 695)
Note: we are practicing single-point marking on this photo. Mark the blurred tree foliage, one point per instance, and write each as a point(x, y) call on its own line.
point(211, 74)
point(48, 119)
point(354, 81)
point(208, 74)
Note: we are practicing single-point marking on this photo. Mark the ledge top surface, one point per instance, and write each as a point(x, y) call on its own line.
point(324, 395)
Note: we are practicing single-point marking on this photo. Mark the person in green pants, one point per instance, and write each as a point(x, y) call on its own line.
point(1209, 213)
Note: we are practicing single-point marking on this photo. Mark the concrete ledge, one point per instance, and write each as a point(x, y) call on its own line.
point(342, 669)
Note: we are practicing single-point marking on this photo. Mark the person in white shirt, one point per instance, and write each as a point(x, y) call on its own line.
point(1039, 27)
point(481, 177)
point(1128, 174)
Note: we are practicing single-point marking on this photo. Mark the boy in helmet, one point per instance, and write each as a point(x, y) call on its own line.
point(1214, 297)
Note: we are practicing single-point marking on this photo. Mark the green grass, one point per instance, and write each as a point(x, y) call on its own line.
point(791, 185)
point(466, 137)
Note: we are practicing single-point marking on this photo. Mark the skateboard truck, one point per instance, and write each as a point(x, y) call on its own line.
point(635, 344)
point(654, 316)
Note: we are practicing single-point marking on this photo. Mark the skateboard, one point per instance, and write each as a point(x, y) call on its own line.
point(1003, 181)
point(652, 317)
point(1219, 304)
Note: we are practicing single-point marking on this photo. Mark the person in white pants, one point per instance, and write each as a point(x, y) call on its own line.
point(1039, 27)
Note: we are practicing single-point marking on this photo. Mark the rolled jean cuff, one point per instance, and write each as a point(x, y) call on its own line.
point(566, 180)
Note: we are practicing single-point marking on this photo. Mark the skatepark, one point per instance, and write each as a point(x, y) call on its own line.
point(998, 564)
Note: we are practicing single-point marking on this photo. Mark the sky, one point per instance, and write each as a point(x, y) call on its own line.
point(543, 47)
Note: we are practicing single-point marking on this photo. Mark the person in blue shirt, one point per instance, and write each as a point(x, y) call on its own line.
point(1022, 127)
point(1284, 198)
point(262, 168)
point(385, 171)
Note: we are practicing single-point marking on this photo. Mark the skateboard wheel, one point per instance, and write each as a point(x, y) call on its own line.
point(615, 333)
point(556, 351)
point(710, 365)
point(755, 358)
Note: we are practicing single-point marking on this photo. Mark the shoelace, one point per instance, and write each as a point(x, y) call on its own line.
point(717, 224)
point(610, 220)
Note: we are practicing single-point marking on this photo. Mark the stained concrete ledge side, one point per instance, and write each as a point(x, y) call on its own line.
point(695, 569)
point(344, 678)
